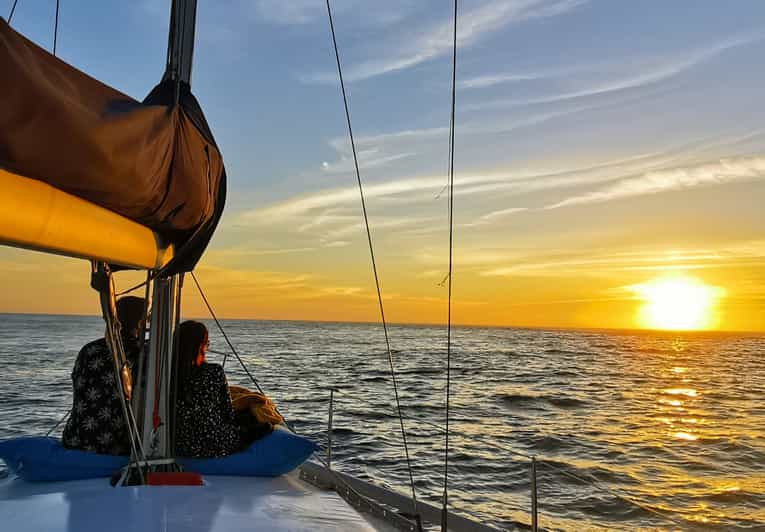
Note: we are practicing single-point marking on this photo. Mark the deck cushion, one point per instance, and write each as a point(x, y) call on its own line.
point(39, 459)
point(273, 455)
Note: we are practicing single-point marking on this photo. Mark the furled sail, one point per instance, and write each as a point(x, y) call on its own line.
point(154, 162)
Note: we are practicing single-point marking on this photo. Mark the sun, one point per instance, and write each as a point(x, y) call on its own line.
point(677, 302)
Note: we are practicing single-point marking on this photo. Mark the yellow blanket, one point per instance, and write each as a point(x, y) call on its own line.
point(261, 407)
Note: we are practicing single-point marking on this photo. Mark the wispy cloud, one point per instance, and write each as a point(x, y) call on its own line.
point(303, 12)
point(655, 73)
point(289, 12)
point(435, 41)
point(325, 206)
point(267, 285)
point(489, 80)
point(493, 216)
point(714, 173)
point(335, 235)
point(599, 262)
point(371, 158)
point(379, 150)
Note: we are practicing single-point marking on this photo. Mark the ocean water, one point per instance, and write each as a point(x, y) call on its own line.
point(630, 430)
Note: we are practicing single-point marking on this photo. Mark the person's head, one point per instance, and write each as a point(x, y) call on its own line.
point(192, 346)
point(192, 342)
point(130, 313)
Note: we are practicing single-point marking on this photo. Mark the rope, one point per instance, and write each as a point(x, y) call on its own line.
point(220, 327)
point(60, 421)
point(142, 341)
point(13, 9)
point(241, 362)
point(149, 278)
point(105, 288)
point(444, 512)
point(374, 264)
point(230, 345)
point(55, 29)
point(233, 350)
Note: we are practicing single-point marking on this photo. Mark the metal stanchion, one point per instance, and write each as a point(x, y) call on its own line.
point(329, 427)
point(534, 519)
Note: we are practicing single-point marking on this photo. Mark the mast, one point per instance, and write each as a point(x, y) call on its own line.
point(180, 42)
point(156, 402)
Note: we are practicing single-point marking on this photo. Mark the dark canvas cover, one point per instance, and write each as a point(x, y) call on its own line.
point(154, 162)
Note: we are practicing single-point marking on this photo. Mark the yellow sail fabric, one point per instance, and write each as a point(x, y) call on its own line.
point(34, 215)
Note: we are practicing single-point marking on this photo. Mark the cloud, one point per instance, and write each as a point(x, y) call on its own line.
point(332, 236)
point(320, 201)
point(303, 12)
point(714, 173)
point(493, 216)
point(371, 158)
point(664, 70)
point(376, 151)
point(565, 262)
point(289, 12)
point(408, 206)
point(380, 150)
point(422, 45)
point(330, 206)
point(489, 80)
point(218, 281)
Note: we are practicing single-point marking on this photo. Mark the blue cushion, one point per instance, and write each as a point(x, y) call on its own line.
point(44, 460)
point(40, 459)
point(272, 455)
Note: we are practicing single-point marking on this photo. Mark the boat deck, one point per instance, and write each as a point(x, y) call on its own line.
point(223, 504)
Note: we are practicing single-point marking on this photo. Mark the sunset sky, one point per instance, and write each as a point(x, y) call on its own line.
point(602, 148)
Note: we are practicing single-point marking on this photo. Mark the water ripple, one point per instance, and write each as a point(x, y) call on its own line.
point(673, 422)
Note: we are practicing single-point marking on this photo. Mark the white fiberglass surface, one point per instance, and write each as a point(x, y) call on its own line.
point(223, 504)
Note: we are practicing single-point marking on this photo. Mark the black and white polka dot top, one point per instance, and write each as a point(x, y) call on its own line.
point(204, 415)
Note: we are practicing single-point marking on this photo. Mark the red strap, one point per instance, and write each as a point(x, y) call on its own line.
point(186, 478)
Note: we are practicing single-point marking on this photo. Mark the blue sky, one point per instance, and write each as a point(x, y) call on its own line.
point(580, 124)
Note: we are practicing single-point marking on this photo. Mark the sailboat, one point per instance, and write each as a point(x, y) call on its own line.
point(89, 173)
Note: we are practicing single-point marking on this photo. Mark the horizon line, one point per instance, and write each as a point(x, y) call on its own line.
point(432, 324)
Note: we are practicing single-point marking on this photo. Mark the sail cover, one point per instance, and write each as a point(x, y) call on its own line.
point(154, 162)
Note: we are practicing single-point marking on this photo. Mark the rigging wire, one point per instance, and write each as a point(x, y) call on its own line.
point(13, 9)
point(149, 278)
point(374, 264)
point(444, 512)
point(225, 336)
point(55, 29)
point(60, 421)
point(234, 351)
point(346, 489)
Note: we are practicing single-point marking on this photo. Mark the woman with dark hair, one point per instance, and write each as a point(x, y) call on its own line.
point(204, 415)
point(97, 421)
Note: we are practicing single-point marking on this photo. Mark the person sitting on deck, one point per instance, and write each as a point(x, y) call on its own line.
point(97, 422)
point(205, 425)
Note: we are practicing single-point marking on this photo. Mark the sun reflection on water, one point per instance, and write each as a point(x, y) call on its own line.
point(685, 436)
point(688, 392)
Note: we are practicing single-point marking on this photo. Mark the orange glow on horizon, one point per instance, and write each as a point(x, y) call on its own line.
point(678, 302)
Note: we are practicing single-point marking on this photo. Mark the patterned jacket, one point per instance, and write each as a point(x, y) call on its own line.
point(97, 422)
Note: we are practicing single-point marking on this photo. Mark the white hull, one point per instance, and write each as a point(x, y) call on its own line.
point(223, 504)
